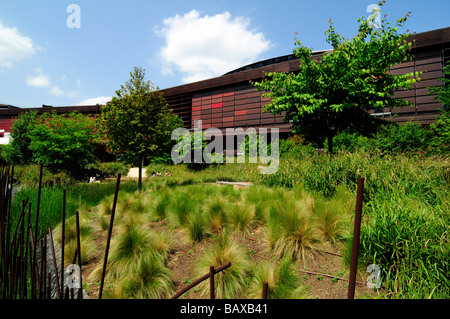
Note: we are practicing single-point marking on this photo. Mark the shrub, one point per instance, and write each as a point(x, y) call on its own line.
point(283, 283)
point(196, 225)
point(409, 137)
point(109, 169)
point(441, 130)
point(28, 175)
point(292, 233)
point(148, 278)
point(88, 250)
point(161, 204)
point(389, 138)
point(181, 206)
point(230, 282)
point(241, 217)
point(215, 213)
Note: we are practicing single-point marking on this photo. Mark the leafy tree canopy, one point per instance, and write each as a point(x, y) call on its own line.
point(334, 93)
point(138, 122)
point(63, 141)
point(18, 150)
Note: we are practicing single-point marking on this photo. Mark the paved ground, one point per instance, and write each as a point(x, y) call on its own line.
point(134, 172)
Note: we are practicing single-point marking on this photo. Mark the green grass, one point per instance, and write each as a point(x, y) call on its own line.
point(292, 231)
point(231, 282)
point(310, 201)
point(78, 197)
point(405, 216)
point(282, 281)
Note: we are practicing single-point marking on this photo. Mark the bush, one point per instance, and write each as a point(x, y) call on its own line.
point(282, 281)
point(28, 175)
point(391, 138)
point(63, 142)
point(109, 169)
point(231, 282)
point(409, 137)
point(441, 130)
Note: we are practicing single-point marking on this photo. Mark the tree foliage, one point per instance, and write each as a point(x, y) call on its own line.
point(18, 150)
point(63, 141)
point(334, 93)
point(138, 122)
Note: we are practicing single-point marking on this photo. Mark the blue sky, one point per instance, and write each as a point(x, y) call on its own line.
point(43, 61)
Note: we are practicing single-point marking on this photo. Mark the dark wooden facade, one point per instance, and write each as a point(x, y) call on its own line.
point(8, 115)
point(231, 101)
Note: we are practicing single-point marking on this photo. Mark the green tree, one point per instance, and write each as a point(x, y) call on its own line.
point(18, 150)
point(138, 122)
point(63, 142)
point(334, 93)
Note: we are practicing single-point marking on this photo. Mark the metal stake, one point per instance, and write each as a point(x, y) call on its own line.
point(111, 222)
point(356, 233)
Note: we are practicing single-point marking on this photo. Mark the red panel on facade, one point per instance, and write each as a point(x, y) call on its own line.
point(216, 105)
point(242, 112)
point(228, 119)
point(228, 93)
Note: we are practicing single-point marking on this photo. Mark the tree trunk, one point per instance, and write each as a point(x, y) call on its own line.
point(330, 142)
point(140, 173)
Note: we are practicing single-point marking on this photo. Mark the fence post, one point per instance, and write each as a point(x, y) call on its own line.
point(356, 233)
point(211, 282)
point(108, 241)
point(265, 289)
point(201, 279)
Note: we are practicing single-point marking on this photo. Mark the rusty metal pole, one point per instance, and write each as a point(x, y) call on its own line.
point(356, 234)
point(108, 241)
point(55, 268)
point(63, 228)
point(80, 289)
point(211, 282)
point(265, 289)
point(199, 280)
point(41, 290)
point(36, 228)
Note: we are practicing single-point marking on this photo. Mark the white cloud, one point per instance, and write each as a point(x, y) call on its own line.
point(102, 100)
point(14, 47)
point(40, 80)
point(204, 47)
point(55, 90)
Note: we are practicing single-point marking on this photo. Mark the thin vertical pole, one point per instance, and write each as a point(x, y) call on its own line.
point(108, 241)
point(356, 234)
point(63, 227)
point(141, 163)
point(211, 282)
point(55, 268)
point(36, 233)
point(265, 289)
point(80, 289)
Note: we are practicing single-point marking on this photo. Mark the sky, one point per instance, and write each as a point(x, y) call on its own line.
point(79, 52)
